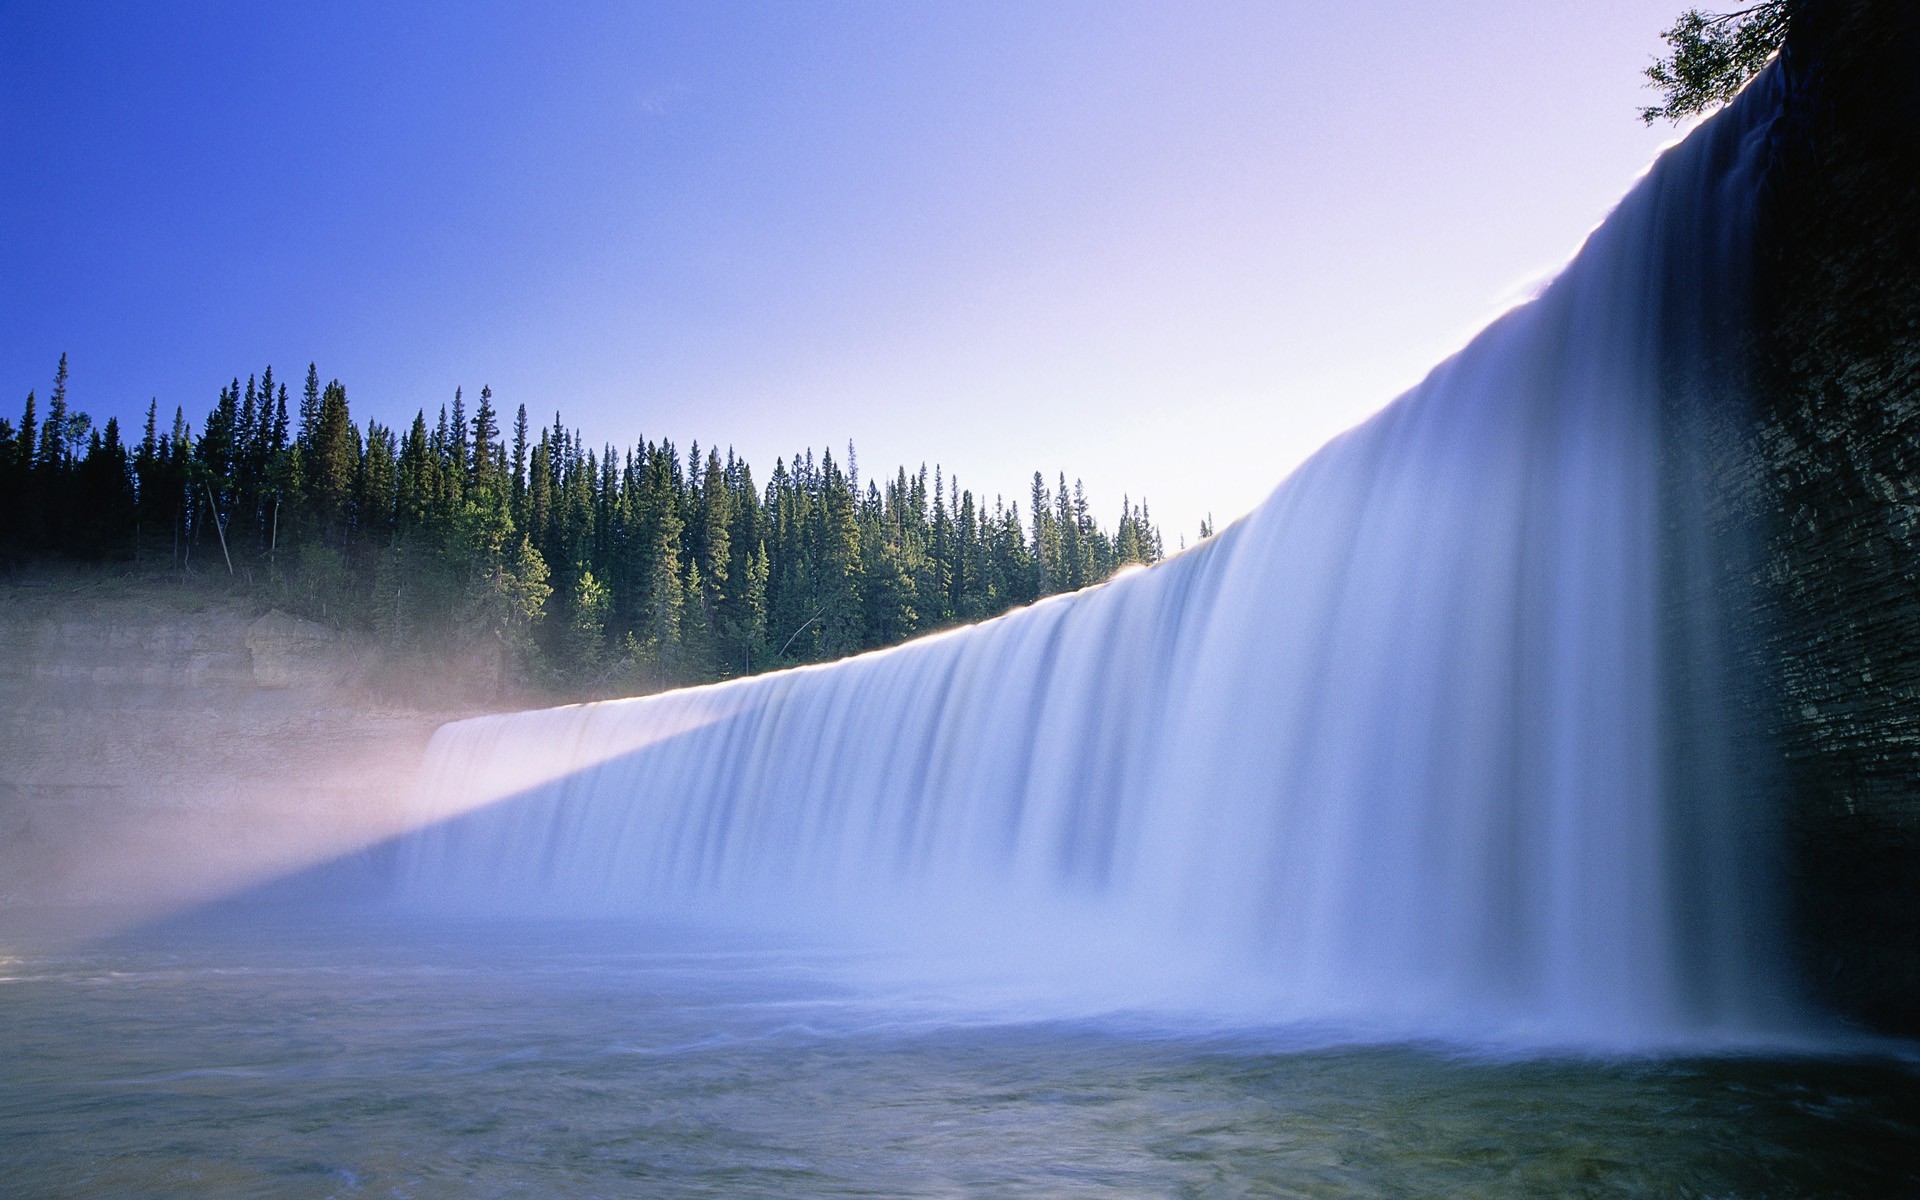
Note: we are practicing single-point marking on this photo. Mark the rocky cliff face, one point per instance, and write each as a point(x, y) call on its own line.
point(1838, 467)
point(159, 747)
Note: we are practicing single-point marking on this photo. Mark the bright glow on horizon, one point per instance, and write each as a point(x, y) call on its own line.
point(1169, 252)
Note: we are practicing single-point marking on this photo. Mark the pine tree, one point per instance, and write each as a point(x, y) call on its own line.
point(714, 546)
point(666, 598)
point(414, 484)
point(938, 594)
point(676, 561)
point(218, 443)
point(53, 432)
point(334, 463)
point(24, 455)
point(377, 486)
point(540, 490)
point(842, 625)
point(50, 487)
point(272, 427)
point(486, 438)
point(457, 444)
point(1126, 542)
point(310, 409)
point(246, 440)
point(524, 588)
point(744, 615)
point(517, 496)
point(967, 599)
point(586, 634)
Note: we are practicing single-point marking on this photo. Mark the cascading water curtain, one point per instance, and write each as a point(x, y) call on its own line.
point(1400, 749)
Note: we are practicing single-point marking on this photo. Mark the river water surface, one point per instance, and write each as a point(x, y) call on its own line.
point(381, 1059)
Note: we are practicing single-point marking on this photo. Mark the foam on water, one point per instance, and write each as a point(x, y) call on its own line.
point(1433, 742)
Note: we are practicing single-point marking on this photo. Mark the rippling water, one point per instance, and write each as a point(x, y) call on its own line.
point(551, 1060)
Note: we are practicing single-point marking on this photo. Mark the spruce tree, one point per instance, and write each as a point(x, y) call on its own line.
point(517, 496)
point(666, 598)
point(678, 561)
point(588, 608)
point(842, 625)
point(334, 462)
point(53, 432)
point(310, 409)
point(486, 438)
point(457, 442)
point(29, 427)
point(715, 547)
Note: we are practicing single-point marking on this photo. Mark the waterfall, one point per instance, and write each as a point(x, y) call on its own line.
point(1437, 738)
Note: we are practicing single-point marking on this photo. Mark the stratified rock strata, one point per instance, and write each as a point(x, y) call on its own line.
point(160, 746)
point(1839, 452)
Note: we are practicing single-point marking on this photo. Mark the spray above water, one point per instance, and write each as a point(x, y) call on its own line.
point(1431, 742)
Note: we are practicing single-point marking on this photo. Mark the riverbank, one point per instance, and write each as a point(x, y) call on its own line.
point(164, 742)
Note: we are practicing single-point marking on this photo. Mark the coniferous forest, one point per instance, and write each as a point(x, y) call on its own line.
point(617, 568)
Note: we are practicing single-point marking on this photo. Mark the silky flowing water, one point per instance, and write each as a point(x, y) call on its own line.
point(1446, 737)
point(1405, 839)
point(455, 1059)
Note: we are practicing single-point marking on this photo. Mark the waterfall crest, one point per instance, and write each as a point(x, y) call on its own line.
point(1402, 747)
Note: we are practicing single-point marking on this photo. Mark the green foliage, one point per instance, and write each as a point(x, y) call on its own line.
point(613, 569)
point(1712, 56)
point(586, 631)
point(510, 601)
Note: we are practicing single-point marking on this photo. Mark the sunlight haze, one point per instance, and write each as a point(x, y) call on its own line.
point(1169, 249)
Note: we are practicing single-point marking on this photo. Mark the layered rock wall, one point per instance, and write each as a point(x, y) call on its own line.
point(1839, 464)
point(159, 746)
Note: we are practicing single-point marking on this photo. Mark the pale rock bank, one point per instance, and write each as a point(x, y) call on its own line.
point(160, 746)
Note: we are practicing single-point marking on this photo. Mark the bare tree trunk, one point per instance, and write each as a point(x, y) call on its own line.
point(219, 529)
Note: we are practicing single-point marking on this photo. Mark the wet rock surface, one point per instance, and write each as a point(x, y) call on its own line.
point(1838, 459)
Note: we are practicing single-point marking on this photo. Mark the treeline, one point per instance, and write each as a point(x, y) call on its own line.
point(617, 566)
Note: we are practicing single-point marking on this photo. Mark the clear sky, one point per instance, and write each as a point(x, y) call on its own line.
point(1166, 247)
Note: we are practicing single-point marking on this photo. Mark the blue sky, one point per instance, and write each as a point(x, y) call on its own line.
point(1169, 248)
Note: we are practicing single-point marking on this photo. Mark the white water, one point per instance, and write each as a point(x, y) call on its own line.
point(1423, 745)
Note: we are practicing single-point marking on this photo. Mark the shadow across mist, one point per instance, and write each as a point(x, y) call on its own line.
point(375, 879)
